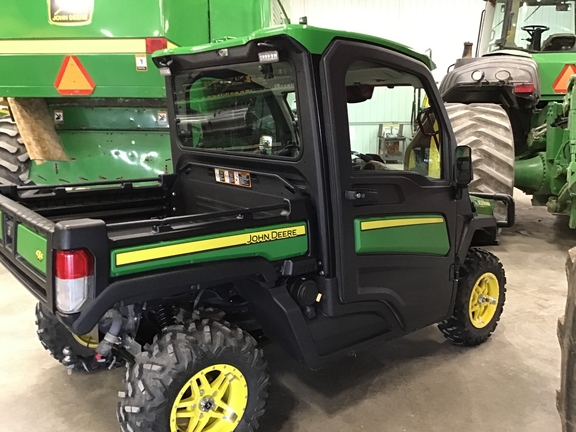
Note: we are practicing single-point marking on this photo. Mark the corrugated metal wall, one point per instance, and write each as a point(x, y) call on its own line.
point(440, 25)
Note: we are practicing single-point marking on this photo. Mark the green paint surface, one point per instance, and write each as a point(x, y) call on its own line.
point(32, 247)
point(271, 250)
point(481, 205)
point(114, 75)
point(314, 39)
point(113, 119)
point(550, 65)
point(121, 19)
point(413, 239)
point(101, 155)
point(182, 22)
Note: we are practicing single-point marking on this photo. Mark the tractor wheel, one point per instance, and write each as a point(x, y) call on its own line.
point(55, 337)
point(14, 159)
point(206, 376)
point(487, 130)
point(479, 300)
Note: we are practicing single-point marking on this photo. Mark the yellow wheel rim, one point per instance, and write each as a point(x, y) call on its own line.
point(86, 340)
point(484, 300)
point(213, 400)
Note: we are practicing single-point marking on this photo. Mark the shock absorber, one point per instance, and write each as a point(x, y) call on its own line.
point(164, 316)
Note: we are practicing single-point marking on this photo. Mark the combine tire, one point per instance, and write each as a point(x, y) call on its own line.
point(208, 376)
point(486, 129)
point(14, 159)
point(55, 337)
point(479, 300)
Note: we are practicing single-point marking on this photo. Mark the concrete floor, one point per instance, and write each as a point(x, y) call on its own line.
point(418, 383)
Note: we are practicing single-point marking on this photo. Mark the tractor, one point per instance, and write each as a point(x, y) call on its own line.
point(511, 102)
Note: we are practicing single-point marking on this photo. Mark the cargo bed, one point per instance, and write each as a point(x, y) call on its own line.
point(112, 219)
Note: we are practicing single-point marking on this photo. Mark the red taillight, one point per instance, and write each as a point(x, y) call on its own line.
point(74, 264)
point(524, 88)
point(155, 44)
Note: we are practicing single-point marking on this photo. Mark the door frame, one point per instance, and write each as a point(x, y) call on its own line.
point(333, 67)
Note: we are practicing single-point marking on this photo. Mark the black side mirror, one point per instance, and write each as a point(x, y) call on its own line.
point(464, 174)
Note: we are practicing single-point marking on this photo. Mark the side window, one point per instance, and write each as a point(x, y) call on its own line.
point(392, 126)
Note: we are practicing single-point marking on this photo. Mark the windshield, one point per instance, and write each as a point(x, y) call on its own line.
point(247, 108)
point(533, 25)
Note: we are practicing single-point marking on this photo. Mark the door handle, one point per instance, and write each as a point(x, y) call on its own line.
point(361, 194)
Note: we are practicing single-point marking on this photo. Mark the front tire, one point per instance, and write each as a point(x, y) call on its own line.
point(206, 376)
point(479, 300)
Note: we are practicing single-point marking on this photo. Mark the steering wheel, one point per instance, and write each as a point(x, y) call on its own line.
point(535, 28)
point(535, 32)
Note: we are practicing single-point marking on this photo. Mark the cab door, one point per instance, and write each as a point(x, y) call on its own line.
point(393, 207)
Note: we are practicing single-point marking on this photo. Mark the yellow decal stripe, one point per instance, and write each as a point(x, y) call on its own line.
point(393, 223)
point(73, 46)
point(208, 245)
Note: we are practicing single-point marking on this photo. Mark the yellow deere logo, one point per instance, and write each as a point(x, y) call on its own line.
point(39, 255)
point(70, 12)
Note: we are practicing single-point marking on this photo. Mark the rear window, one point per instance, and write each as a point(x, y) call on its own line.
point(247, 108)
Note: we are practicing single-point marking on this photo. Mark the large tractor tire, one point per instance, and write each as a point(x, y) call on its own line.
point(566, 397)
point(487, 130)
point(14, 159)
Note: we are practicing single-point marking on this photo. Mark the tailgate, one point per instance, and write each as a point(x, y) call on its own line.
point(25, 247)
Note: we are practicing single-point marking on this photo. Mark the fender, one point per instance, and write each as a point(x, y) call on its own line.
point(167, 283)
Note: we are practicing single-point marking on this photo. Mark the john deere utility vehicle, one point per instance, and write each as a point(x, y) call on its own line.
point(513, 102)
point(273, 222)
point(87, 102)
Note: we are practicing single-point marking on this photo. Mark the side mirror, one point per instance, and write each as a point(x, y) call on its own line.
point(464, 174)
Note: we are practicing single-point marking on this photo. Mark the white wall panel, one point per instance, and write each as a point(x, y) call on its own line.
point(442, 25)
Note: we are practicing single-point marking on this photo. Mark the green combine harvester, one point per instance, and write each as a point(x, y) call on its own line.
point(86, 102)
point(512, 102)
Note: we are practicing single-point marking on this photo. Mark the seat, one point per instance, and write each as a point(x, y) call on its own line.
point(559, 42)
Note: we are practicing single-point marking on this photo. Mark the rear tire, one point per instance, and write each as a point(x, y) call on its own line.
point(474, 319)
point(14, 159)
point(183, 366)
point(55, 337)
point(487, 130)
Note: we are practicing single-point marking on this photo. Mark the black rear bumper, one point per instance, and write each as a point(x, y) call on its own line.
point(13, 215)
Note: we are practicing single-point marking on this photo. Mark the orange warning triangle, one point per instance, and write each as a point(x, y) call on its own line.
point(561, 83)
point(73, 79)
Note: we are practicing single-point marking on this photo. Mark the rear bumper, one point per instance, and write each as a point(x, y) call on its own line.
point(35, 289)
point(12, 215)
